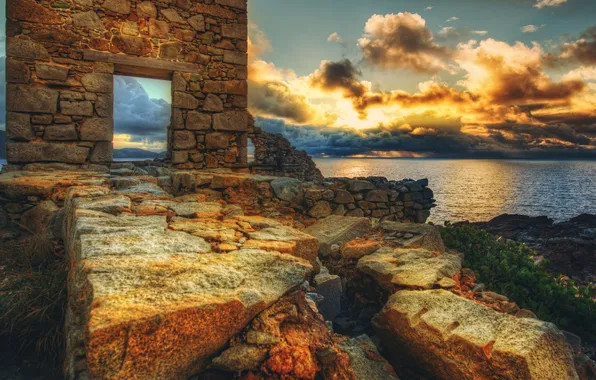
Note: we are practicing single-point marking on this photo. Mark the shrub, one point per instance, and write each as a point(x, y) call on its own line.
point(508, 268)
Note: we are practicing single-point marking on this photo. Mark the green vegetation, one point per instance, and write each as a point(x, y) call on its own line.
point(33, 298)
point(508, 268)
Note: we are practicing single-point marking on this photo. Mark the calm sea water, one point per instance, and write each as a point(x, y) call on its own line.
point(479, 190)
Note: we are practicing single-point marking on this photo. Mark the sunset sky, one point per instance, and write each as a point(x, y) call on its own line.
point(397, 78)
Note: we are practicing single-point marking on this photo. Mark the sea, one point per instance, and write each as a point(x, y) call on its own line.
point(479, 190)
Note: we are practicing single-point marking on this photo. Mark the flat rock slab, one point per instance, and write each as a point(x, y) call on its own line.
point(191, 209)
point(454, 338)
point(365, 360)
point(337, 230)
point(112, 204)
point(414, 268)
point(306, 246)
point(412, 235)
point(164, 317)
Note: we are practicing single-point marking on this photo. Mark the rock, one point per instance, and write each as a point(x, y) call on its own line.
point(97, 82)
point(159, 29)
point(60, 132)
point(17, 71)
point(110, 204)
point(338, 230)
point(171, 15)
point(306, 246)
point(358, 185)
point(83, 108)
point(340, 210)
point(184, 100)
point(234, 31)
point(46, 152)
point(217, 140)
point(421, 235)
point(51, 72)
point(23, 98)
point(170, 50)
point(574, 341)
point(89, 20)
point(455, 338)
point(37, 219)
point(198, 121)
point(28, 10)
point(132, 45)
point(230, 121)
point(357, 213)
point(146, 9)
point(409, 267)
point(330, 287)
point(102, 153)
point(117, 6)
point(240, 358)
point(184, 140)
point(197, 22)
point(18, 127)
point(377, 196)
point(343, 197)
point(97, 129)
point(365, 360)
point(20, 48)
point(213, 103)
point(357, 248)
point(321, 209)
point(191, 209)
point(288, 189)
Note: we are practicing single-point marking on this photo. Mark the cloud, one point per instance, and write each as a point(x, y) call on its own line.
point(582, 50)
point(428, 8)
point(335, 37)
point(451, 19)
point(480, 32)
point(549, 3)
point(531, 28)
point(402, 41)
point(258, 43)
point(143, 119)
point(342, 75)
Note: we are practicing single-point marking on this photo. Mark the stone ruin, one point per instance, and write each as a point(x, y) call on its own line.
point(177, 273)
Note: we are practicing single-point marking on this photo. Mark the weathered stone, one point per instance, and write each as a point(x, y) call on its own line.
point(41, 119)
point(62, 119)
point(102, 153)
point(198, 121)
point(217, 140)
point(321, 209)
point(18, 127)
point(62, 132)
point(50, 152)
point(230, 121)
point(179, 157)
point(184, 100)
point(104, 105)
point(416, 235)
point(16, 47)
point(189, 209)
point(132, 45)
point(130, 28)
point(330, 287)
point(365, 360)
point(98, 82)
point(343, 197)
point(288, 189)
point(89, 20)
point(184, 140)
point(213, 103)
point(197, 22)
point(337, 230)
point(355, 249)
point(146, 9)
point(238, 31)
point(355, 213)
point(240, 4)
point(455, 338)
point(172, 15)
point(170, 50)
point(117, 6)
point(97, 129)
point(17, 71)
point(158, 29)
point(242, 357)
point(23, 98)
point(110, 204)
point(84, 108)
point(51, 72)
point(377, 196)
point(28, 10)
point(306, 246)
point(37, 219)
point(214, 86)
point(414, 268)
point(235, 57)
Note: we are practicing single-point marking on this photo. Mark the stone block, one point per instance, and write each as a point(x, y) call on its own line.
point(240, 4)
point(18, 127)
point(37, 219)
point(455, 338)
point(97, 129)
point(89, 20)
point(235, 57)
point(366, 361)
point(343, 197)
point(170, 50)
point(104, 105)
point(197, 22)
point(213, 103)
point(236, 87)
point(184, 140)
point(132, 45)
point(46, 152)
point(117, 6)
point(415, 235)
point(179, 157)
point(198, 121)
point(51, 72)
point(41, 119)
point(98, 82)
point(172, 15)
point(60, 132)
point(29, 10)
point(84, 108)
point(236, 31)
point(214, 86)
point(146, 9)
point(17, 71)
point(20, 48)
point(321, 209)
point(130, 28)
point(377, 196)
point(158, 29)
point(337, 230)
point(230, 121)
point(102, 153)
point(288, 189)
point(217, 140)
point(23, 98)
point(185, 101)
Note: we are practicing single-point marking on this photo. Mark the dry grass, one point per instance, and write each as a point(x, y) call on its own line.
point(33, 297)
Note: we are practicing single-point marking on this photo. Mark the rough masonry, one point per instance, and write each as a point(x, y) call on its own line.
point(62, 56)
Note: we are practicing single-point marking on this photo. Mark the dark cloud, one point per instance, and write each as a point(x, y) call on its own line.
point(277, 99)
point(402, 41)
point(584, 49)
point(342, 75)
point(136, 114)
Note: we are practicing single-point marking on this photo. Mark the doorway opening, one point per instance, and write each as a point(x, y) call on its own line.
point(142, 112)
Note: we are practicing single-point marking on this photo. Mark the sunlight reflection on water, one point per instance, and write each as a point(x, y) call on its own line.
point(479, 190)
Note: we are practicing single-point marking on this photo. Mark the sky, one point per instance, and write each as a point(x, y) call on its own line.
point(397, 78)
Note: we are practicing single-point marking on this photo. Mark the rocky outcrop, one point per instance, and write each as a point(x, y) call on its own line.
point(450, 337)
point(333, 231)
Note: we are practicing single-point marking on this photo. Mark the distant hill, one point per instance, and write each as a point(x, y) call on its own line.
point(136, 153)
point(2, 144)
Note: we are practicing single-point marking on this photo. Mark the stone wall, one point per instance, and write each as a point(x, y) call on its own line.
point(275, 155)
point(62, 55)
